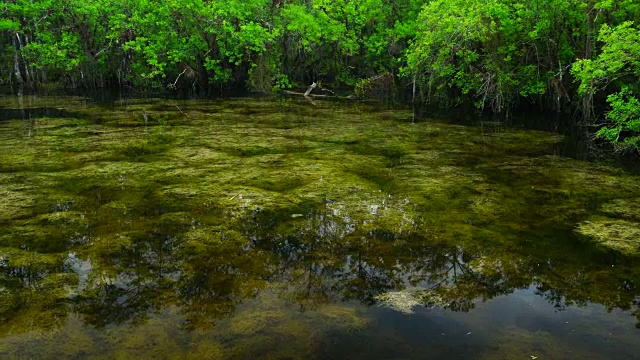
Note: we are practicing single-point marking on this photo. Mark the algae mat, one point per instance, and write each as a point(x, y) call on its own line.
point(284, 229)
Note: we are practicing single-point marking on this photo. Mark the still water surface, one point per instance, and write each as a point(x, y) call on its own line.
point(284, 229)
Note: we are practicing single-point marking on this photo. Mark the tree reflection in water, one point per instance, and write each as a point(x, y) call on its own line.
point(310, 260)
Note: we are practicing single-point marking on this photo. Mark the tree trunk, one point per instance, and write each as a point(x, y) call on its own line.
point(16, 66)
point(27, 79)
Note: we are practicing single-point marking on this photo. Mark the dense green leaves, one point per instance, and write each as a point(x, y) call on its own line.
point(502, 53)
point(493, 52)
point(616, 71)
point(201, 43)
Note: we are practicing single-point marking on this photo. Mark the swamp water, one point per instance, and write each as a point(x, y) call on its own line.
point(284, 229)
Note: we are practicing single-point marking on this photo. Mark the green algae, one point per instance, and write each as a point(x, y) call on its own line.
point(619, 235)
point(151, 145)
point(402, 301)
point(617, 228)
point(407, 300)
point(15, 204)
point(210, 210)
point(252, 323)
point(623, 208)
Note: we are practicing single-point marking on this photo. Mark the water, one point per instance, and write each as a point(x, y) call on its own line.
point(284, 229)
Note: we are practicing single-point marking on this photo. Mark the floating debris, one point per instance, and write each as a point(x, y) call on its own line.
point(402, 301)
point(406, 300)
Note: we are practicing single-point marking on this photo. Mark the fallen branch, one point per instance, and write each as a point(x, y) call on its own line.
point(311, 87)
point(173, 86)
point(177, 107)
point(350, 97)
point(329, 90)
point(236, 195)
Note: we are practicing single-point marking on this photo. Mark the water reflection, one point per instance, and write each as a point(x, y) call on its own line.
point(320, 257)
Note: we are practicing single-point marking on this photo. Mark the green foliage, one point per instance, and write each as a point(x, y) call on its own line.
point(491, 51)
point(340, 41)
point(143, 42)
point(497, 53)
point(382, 83)
point(201, 43)
point(616, 70)
point(625, 116)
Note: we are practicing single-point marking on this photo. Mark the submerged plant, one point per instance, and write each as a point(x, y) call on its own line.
point(251, 223)
point(407, 300)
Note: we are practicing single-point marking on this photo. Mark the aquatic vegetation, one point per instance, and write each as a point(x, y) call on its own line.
point(618, 230)
point(206, 349)
point(250, 324)
point(248, 224)
point(402, 301)
point(524, 344)
point(624, 208)
point(619, 235)
point(14, 204)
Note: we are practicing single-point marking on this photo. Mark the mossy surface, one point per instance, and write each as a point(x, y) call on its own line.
point(251, 228)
